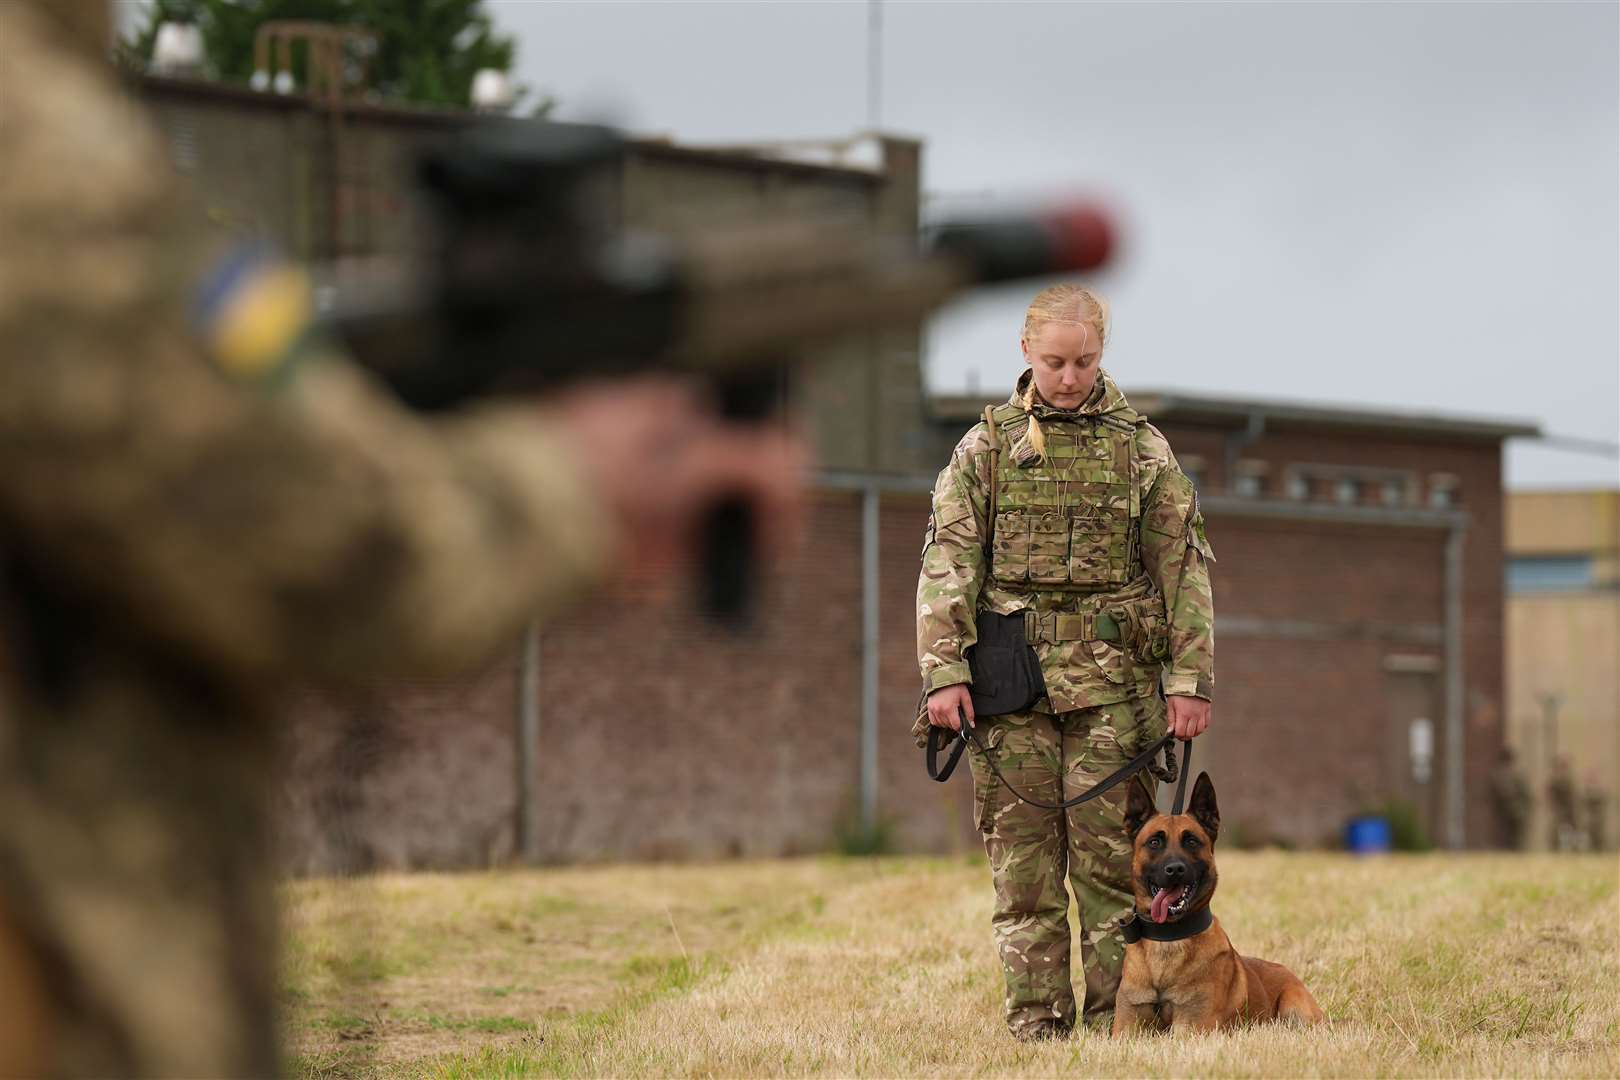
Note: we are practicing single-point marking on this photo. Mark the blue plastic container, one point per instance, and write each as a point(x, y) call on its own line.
point(1367, 835)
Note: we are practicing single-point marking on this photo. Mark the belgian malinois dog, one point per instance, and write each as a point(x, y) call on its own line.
point(1181, 971)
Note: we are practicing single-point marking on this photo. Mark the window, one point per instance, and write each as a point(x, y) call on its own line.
point(1250, 481)
point(1346, 485)
point(1549, 573)
point(1443, 491)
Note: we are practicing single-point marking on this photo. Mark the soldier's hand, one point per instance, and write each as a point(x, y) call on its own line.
point(1189, 716)
point(944, 703)
point(660, 457)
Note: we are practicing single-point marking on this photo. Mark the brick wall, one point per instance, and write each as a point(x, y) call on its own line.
point(1321, 625)
point(663, 736)
point(1305, 715)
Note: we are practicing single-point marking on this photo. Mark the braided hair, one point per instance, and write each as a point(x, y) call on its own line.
point(1067, 304)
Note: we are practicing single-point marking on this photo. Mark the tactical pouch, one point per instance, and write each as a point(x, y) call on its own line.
point(1008, 555)
point(1146, 629)
point(1006, 672)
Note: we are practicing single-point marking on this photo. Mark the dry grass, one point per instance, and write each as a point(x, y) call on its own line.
point(1426, 966)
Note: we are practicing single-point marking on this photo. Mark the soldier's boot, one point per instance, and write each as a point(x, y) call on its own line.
point(1042, 1031)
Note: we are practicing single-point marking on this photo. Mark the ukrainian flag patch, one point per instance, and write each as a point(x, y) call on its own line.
point(256, 313)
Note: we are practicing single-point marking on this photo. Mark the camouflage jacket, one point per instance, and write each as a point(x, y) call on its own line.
point(176, 547)
point(1168, 570)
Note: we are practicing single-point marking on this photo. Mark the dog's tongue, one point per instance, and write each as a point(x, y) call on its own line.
point(1159, 909)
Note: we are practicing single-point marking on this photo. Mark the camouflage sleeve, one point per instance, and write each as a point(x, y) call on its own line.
point(1177, 555)
point(952, 562)
point(305, 523)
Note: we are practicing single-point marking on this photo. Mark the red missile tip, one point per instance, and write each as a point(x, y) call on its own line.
point(1082, 237)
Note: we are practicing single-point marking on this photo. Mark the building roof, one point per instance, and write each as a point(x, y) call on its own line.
point(762, 158)
point(1239, 412)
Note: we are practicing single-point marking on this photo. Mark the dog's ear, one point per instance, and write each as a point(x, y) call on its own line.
point(1202, 806)
point(1138, 808)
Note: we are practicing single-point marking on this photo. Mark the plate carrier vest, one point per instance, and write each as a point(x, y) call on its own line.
point(1068, 523)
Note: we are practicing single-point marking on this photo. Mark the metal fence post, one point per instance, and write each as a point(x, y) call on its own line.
point(528, 746)
point(870, 505)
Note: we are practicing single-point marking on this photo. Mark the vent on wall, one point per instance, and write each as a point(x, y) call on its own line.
point(183, 139)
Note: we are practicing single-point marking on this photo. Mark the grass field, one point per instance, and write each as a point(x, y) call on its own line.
point(1488, 965)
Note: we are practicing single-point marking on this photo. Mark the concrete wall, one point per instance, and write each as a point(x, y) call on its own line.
point(1580, 523)
point(322, 187)
point(1563, 652)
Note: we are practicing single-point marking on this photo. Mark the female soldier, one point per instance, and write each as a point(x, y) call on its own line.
point(1096, 531)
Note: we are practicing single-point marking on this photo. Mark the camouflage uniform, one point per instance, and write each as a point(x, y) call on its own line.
point(174, 547)
point(1109, 524)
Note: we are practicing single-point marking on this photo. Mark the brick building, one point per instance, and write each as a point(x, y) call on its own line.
point(1358, 551)
point(1358, 598)
point(658, 733)
point(1360, 644)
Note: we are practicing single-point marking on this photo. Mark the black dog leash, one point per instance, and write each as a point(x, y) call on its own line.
point(969, 734)
point(1181, 781)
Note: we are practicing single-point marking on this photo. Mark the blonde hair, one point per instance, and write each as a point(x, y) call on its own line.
point(1069, 305)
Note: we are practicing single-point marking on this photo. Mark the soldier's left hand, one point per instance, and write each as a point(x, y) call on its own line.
point(1189, 716)
point(659, 456)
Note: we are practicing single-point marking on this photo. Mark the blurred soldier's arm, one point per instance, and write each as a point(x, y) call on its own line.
point(1176, 555)
point(952, 573)
point(285, 515)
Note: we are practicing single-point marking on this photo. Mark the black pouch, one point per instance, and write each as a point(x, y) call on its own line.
point(1006, 672)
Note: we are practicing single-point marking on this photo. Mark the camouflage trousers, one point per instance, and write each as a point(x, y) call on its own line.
point(1032, 851)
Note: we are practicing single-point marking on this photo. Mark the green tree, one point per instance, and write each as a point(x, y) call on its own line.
point(427, 50)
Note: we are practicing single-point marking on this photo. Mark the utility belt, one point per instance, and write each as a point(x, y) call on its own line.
point(1137, 625)
point(1054, 628)
point(1006, 670)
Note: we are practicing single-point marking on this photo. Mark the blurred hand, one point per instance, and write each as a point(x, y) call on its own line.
point(944, 703)
point(1189, 716)
point(660, 457)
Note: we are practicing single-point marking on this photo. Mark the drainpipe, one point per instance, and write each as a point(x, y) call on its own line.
point(869, 655)
point(1237, 440)
point(1456, 815)
point(528, 746)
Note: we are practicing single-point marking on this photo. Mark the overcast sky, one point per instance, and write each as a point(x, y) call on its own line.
point(1410, 205)
point(1405, 205)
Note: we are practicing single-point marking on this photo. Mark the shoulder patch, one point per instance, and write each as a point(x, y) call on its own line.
point(975, 440)
point(1007, 412)
point(256, 314)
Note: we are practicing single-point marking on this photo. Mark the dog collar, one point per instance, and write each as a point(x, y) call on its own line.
point(1136, 927)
